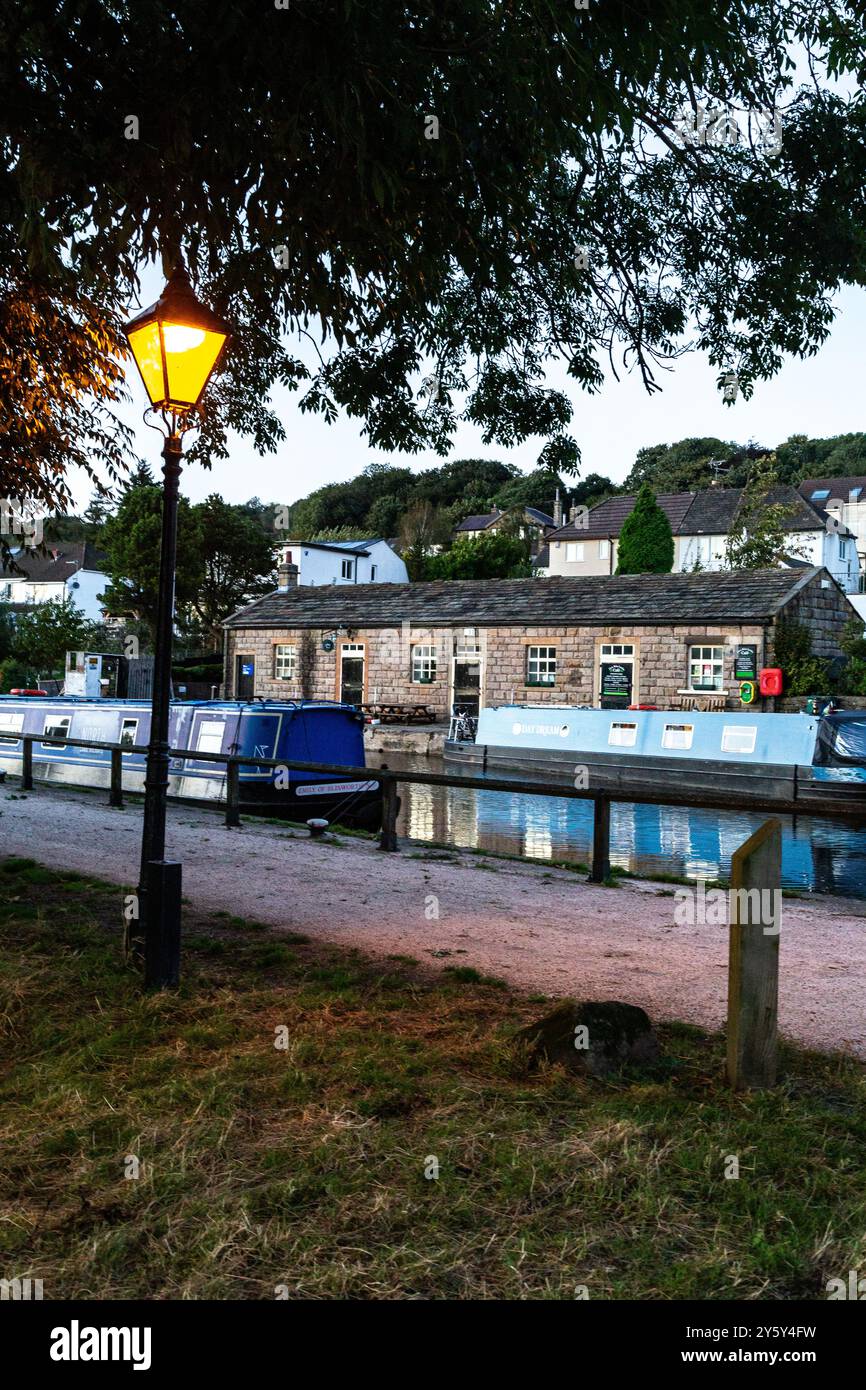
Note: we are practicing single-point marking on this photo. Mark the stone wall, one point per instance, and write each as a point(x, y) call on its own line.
point(824, 610)
point(661, 667)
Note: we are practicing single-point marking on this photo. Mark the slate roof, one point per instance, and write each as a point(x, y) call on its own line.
point(655, 600)
point(705, 512)
point(61, 560)
point(479, 522)
point(838, 488)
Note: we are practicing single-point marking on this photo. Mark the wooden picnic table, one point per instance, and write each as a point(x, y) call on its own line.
point(395, 712)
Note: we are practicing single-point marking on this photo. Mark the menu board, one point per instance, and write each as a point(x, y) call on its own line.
point(616, 682)
point(746, 663)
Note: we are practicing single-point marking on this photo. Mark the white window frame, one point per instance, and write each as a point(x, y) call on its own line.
point(285, 661)
point(54, 731)
point(574, 551)
point(11, 727)
point(739, 733)
point(423, 663)
point(125, 729)
point(622, 734)
point(707, 660)
point(346, 569)
point(604, 550)
point(541, 666)
point(208, 731)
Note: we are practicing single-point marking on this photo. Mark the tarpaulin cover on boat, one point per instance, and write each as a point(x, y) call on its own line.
point(842, 738)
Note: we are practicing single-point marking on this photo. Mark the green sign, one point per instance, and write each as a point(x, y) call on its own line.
point(746, 663)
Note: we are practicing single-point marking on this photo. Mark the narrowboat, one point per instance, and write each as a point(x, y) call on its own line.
point(315, 731)
point(742, 754)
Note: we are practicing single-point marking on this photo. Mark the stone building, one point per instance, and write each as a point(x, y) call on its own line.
point(662, 639)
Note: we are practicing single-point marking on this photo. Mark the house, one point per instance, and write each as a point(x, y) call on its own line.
point(844, 498)
point(530, 523)
point(344, 562)
point(701, 522)
point(663, 639)
point(70, 570)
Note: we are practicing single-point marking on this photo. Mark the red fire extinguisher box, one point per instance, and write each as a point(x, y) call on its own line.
point(771, 680)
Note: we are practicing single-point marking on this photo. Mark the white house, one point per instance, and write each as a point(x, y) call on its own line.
point(67, 570)
point(845, 499)
point(701, 522)
point(344, 562)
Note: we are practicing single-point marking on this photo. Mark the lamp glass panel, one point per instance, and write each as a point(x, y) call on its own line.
point(146, 350)
point(190, 354)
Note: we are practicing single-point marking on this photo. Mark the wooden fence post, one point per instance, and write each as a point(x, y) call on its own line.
point(115, 796)
point(388, 837)
point(600, 870)
point(753, 964)
point(27, 764)
point(233, 794)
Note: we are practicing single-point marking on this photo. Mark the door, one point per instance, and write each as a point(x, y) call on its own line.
point(616, 675)
point(466, 685)
point(352, 673)
point(245, 677)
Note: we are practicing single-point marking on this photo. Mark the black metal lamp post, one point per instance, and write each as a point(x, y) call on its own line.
point(176, 345)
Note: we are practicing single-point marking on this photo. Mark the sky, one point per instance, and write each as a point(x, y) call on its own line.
point(819, 396)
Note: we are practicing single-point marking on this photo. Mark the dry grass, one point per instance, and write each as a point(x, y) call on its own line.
point(303, 1170)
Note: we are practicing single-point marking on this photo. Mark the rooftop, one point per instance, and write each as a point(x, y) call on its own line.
point(584, 601)
point(60, 561)
point(705, 512)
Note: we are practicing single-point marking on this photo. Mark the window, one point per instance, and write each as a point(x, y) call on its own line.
point(128, 731)
point(210, 736)
point(373, 569)
point(285, 660)
point(623, 735)
point(56, 726)
point(346, 569)
point(706, 668)
point(541, 665)
point(10, 726)
point(843, 549)
point(423, 665)
point(604, 550)
point(574, 550)
point(678, 735)
point(854, 494)
point(821, 494)
point(617, 649)
point(739, 738)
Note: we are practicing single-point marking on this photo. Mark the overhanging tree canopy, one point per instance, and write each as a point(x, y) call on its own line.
point(408, 186)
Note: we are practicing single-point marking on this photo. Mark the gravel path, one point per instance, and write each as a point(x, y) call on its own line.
point(539, 928)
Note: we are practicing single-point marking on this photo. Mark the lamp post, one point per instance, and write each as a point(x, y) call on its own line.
point(176, 344)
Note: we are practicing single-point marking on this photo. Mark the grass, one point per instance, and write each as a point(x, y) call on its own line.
point(303, 1164)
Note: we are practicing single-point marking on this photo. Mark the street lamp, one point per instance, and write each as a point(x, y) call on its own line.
point(176, 344)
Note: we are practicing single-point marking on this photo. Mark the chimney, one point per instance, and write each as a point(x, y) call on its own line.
point(572, 514)
point(557, 509)
point(287, 578)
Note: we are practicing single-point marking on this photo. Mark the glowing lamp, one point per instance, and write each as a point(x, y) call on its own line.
point(176, 344)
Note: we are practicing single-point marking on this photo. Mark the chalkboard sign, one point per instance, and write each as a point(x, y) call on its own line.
point(616, 682)
point(746, 663)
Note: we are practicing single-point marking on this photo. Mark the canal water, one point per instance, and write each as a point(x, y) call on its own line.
point(819, 856)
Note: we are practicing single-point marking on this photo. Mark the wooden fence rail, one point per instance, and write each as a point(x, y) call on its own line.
point(389, 780)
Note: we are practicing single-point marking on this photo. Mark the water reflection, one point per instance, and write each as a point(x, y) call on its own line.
point(819, 855)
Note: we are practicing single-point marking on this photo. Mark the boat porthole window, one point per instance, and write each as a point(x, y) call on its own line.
point(739, 738)
point(623, 735)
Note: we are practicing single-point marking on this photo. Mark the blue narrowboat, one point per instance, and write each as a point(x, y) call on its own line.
point(315, 731)
point(747, 755)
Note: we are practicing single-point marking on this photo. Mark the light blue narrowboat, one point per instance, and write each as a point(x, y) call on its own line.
point(316, 731)
point(747, 754)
